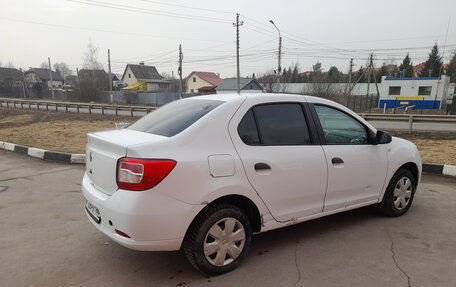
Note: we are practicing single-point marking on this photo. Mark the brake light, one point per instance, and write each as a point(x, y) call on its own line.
point(141, 174)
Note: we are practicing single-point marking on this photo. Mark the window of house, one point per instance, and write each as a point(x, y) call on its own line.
point(340, 128)
point(424, 91)
point(192, 90)
point(274, 124)
point(194, 79)
point(394, 91)
point(129, 76)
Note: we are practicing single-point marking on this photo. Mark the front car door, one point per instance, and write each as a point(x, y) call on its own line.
point(281, 159)
point(357, 166)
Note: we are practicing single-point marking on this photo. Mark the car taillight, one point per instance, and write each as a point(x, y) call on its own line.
point(141, 174)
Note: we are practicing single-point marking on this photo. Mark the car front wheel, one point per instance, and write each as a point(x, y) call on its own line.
point(218, 239)
point(399, 193)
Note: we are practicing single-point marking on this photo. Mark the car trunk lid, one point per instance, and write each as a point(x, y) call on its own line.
point(103, 151)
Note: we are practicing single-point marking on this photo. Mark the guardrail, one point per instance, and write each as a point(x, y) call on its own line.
point(72, 107)
point(410, 118)
point(76, 107)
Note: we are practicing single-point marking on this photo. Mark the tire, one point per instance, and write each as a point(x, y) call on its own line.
point(399, 194)
point(208, 245)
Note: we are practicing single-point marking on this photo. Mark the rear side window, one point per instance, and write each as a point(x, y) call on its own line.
point(175, 117)
point(274, 124)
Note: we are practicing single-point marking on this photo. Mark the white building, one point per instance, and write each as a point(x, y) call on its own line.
point(423, 93)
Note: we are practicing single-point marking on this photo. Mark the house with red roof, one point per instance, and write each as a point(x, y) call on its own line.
point(202, 82)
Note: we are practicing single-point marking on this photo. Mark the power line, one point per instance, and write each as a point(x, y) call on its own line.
point(107, 31)
point(150, 11)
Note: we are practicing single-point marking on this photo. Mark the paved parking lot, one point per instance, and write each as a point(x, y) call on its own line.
point(46, 240)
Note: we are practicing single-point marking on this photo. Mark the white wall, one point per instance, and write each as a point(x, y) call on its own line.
point(129, 80)
point(199, 83)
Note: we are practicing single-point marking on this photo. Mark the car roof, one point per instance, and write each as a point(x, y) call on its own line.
point(234, 96)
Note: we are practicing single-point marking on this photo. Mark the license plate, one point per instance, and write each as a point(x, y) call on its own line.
point(93, 211)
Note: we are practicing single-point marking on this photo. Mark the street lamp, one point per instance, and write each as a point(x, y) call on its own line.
point(280, 52)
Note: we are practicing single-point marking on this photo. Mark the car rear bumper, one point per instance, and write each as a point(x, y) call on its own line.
point(152, 220)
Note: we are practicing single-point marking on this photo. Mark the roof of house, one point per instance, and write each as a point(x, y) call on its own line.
point(43, 74)
point(143, 73)
point(10, 74)
point(209, 77)
point(231, 84)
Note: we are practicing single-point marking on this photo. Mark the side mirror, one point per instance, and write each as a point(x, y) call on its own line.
point(383, 137)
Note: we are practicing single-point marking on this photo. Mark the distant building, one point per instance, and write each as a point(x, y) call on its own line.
point(423, 93)
point(10, 77)
point(246, 86)
point(145, 78)
point(41, 79)
point(202, 82)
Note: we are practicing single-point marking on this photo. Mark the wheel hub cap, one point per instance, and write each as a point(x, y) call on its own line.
point(224, 241)
point(402, 193)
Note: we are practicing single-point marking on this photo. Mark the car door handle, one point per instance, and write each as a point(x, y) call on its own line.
point(262, 166)
point(337, 160)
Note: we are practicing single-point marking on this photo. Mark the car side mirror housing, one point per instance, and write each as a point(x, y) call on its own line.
point(383, 137)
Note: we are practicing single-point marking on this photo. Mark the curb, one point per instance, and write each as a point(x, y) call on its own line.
point(47, 155)
point(72, 158)
point(440, 169)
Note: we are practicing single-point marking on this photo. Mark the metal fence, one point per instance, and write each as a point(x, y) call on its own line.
point(364, 103)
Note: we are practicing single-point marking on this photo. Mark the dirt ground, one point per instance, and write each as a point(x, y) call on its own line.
point(66, 132)
point(57, 131)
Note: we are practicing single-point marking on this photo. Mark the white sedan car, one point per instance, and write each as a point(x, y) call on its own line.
point(203, 174)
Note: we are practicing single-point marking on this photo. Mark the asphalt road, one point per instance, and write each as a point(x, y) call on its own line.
point(47, 240)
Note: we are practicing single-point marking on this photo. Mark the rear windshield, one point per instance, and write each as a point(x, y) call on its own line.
point(175, 117)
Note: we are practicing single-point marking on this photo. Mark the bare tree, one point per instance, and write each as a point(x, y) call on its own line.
point(90, 58)
point(63, 69)
point(44, 65)
point(10, 64)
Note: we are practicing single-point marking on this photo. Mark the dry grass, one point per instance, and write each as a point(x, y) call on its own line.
point(66, 132)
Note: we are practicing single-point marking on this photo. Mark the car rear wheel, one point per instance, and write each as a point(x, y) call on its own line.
point(218, 240)
point(399, 193)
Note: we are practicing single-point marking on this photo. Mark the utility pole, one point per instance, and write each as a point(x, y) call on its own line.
point(279, 68)
point(179, 70)
point(110, 77)
point(237, 24)
point(349, 82)
point(50, 75)
point(369, 80)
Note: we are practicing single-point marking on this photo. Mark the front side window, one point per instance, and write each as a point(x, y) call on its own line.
point(424, 91)
point(340, 128)
point(394, 91)
point(274, 124)
point(175, 117)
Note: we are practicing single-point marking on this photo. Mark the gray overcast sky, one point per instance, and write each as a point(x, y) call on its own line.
point(330, 31)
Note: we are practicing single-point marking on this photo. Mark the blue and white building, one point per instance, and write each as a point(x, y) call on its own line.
point(423, 93)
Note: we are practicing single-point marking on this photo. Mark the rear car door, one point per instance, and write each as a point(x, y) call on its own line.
point(356, 166)
point(282, 162)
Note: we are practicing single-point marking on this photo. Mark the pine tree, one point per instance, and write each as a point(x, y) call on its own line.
point(433, 63)
point(383, 72)
point(334, 75)
point(294, 74)
point(407, 65)
point(451, 70)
